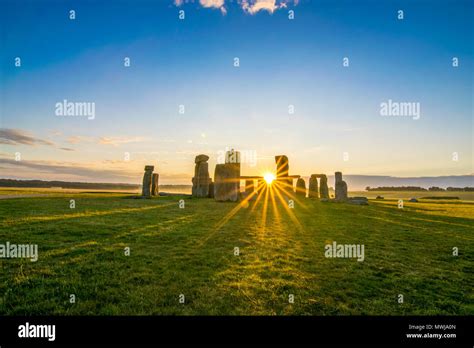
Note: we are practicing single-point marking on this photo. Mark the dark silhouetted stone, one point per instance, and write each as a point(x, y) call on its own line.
point(250, 189)
point(313, 187)
point(358, 200)
point(147, 180)
point(301, 188)
point(284, 183)
point(154, 184)
point(226, 182)
point(201, 158)
point(201, 179)
point(211, 189)
point(323, 187)
point(340, 187)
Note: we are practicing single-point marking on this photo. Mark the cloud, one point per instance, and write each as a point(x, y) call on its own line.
point(253, 6)
point(101, 171)
point(249, 6)
point(66, 149)
point(106, 140)
point(63, 168)
point(219, 4)
point(76, 139)
point(115, 141)
point(56, 133)
point(18, 137)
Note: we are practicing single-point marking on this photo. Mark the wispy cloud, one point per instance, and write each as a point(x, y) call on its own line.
point(76, 139)
point(115, 141)
point(249, 6)
point(219, 4)
point(56, 133)
point(65, 168)
point(19, 137)
point(106, 140)
point(253, 6)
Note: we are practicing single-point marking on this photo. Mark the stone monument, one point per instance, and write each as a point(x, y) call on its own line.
point(201, 179)
point(147, 181)
point(154, 184)
point(340, 187)
point(313, 186)
point(301, 188)
point(227, 178)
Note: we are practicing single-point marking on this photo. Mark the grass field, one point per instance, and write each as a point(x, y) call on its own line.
point(190, 251)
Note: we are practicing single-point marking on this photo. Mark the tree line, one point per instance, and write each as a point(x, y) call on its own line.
point(418, 188)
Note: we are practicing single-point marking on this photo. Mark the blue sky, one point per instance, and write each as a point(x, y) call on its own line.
point(190, 62)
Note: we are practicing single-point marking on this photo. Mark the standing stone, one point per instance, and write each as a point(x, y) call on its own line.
point(147, 179)
point(283, 169)
point(340, 187)
point(201, 158)
point(283, 166)
point(323, 187)
point(211, 189)
point(249, 189)
point(226, 182)
point(301, 188)
point(201, 179)
point(154, 185)
point(261, 186)
point(313, 186)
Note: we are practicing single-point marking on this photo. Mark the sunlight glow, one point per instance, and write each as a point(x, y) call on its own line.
point(269, 177)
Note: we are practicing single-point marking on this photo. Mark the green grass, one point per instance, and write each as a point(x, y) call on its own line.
point(191, 251)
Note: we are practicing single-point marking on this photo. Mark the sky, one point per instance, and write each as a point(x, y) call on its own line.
point(291, 93)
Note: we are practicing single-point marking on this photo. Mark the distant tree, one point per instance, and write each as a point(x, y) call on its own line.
point(398, 188)
point(65, 184)
point(469, 189)
point(435, 188)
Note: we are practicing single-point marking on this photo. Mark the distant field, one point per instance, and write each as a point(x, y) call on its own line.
point(468, 196)
point(53, 190)
point(190, 251)
point(187, 190)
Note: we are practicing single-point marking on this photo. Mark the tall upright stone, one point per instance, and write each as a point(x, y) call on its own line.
point(226, 182)
point(283, 166)
point(227, 178)
point(201, 179)
point(301, 188)
point(340, 187)
point(211, 189)
point(250, 189)
point(283, 169)
point(323, 187)
point(261, 186)
point(147, 180)
point(313, 186)
point(154, 184)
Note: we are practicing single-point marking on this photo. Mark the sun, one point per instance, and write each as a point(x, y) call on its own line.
point(269, 177)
